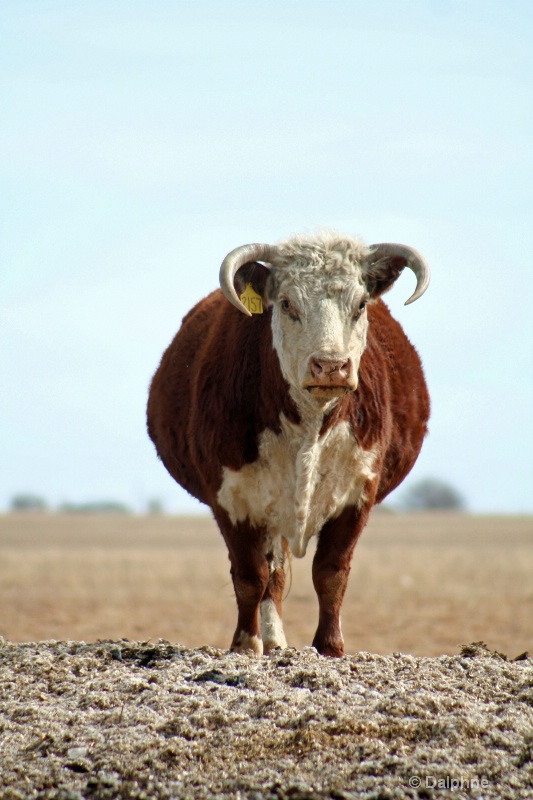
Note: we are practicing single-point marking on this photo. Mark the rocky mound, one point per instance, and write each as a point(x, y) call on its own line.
point(130, 720)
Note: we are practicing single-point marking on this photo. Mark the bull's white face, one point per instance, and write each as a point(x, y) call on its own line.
point(319, 287)
point(319, 324)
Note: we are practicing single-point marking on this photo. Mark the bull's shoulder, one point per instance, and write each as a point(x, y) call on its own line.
point(391, 357)
point(239, 384)
point(171, 419)
point(387, 340)
point(392, 388)
point(219, 385)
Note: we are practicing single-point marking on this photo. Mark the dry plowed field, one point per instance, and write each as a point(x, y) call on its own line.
point(421, 584)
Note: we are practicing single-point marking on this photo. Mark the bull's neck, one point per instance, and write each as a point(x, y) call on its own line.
point(312, 412)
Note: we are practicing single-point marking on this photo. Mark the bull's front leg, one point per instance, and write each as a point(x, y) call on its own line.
point(249, 581)
point(250, 575)
point(331, 568)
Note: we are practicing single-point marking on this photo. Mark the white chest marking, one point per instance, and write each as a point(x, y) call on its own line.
point(298, 481)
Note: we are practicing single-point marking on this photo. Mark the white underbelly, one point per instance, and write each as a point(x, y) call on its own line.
point(298, 482)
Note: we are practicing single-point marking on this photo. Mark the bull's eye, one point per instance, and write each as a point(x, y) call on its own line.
point(357, 313)
point(288, 308)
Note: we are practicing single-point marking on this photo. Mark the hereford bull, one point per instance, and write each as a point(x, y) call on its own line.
point(294, 422)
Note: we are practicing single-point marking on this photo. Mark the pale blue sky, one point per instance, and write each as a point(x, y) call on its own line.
point(141, 141)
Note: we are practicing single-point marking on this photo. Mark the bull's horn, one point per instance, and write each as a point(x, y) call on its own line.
point(234, 261)
point(414, 260)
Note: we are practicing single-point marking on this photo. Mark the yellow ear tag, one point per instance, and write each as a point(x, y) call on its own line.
point(252, 300)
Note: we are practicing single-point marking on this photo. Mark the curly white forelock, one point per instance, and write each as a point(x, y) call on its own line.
point(319, 260)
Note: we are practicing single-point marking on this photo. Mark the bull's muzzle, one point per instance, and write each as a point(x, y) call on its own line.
point(329, 373)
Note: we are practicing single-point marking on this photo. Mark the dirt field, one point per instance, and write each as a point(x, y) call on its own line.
point(420, 584)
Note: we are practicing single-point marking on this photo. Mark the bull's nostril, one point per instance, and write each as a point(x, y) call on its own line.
point(316, 366)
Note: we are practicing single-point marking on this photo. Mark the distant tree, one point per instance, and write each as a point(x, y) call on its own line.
point(154, 506)
point(433, 495)
point(97, 507)
point(28, 502)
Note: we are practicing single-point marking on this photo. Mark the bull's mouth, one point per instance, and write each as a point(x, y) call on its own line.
point(328, 391)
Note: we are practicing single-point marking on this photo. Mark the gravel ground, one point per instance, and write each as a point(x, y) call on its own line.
point(138, 720)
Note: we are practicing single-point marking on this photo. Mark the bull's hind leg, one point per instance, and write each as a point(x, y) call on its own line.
point(331, 568)
point(271, 625)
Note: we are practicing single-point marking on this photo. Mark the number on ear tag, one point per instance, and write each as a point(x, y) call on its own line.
point(252, 300)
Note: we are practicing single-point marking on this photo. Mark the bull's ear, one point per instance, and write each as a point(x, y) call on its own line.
point(379, 275)
point(254, 273)
point(385, 262)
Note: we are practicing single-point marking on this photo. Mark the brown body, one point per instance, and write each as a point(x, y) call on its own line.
point(219, 386)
